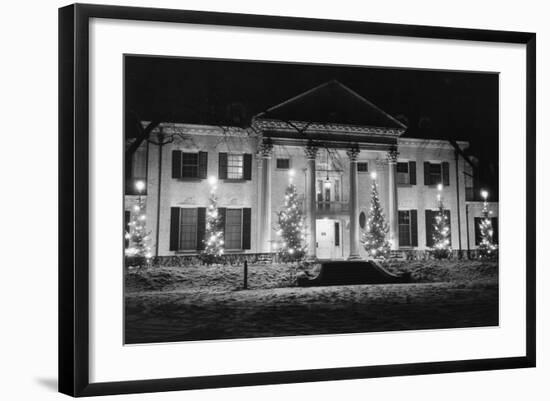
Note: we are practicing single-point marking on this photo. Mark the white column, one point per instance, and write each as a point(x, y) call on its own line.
point(258, 206)
point(353, 205)
point(392, 212)
point(311, 204)
point(265, 209)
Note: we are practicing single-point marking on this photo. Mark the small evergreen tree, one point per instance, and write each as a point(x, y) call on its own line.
point(374, 236)
point(213, 235)
point(441, 233)
point(487, 247)
point(291, 227)
point(138, 252)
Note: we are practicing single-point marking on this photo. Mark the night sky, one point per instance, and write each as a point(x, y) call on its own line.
point(432, 104)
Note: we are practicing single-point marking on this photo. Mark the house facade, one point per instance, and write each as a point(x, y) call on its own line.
point(331, 143)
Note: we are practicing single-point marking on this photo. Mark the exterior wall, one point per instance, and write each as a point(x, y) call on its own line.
point(424, 197)
point(241, 194)
point(474, 210)
point(195, 192)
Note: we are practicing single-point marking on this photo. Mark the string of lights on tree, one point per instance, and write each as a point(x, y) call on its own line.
point(441, 230)
point(291, 226)
point(374, 236)
point(487, 247)
point(213, 236)
point(138, 249)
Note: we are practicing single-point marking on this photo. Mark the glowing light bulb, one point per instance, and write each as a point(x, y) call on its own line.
point(140, 185)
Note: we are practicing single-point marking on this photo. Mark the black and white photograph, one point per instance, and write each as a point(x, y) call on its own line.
point(269, 199)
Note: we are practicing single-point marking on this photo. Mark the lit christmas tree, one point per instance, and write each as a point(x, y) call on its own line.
point(487, 248)
point(374, 236)
point(442, 232)
point(213, 235)
point(291, 227)
point(138, 252)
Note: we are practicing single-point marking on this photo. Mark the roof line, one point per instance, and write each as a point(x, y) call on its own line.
point(294, 98)
point(335, 81)
point(371, 104)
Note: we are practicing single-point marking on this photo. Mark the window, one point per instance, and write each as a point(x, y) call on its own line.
point(233, 228)
point(403, 176)
point(362, 167)
point(436, 173)
point(408, 228)
point(336, 233)
point(235, 167)
point(188, 229)
point(283, 164)
point(494, 224)
point(362, 220)
point(430, 222)
point(189, 165)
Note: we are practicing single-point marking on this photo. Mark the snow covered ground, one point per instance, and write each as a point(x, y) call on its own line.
point(199, 303)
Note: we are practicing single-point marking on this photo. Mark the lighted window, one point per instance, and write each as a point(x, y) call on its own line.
point(233, 229)
point(235, 167)
point(188, 229)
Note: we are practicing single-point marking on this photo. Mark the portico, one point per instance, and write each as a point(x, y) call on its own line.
point(319, 121)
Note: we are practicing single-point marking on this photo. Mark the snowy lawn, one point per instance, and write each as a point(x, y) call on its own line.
point(198, 303)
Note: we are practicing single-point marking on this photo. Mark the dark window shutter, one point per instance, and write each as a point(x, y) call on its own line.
point(494, 223)
point(412, 173)
point(222, 166)
point(174, 228)
point(477, 223)
point(203, 165)
point(176, 164)
point(336, 233)
point(445, 172)
point(221, 212)
point(429, 228)
point(247, 226)
point(247, 166)
point(201, 227)
point(427, 174)
point(414, 228)
point(448, 214)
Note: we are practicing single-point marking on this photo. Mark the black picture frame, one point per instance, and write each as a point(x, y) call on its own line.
point(74, 202)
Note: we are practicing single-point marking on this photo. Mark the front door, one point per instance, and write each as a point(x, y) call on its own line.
point(328, 236)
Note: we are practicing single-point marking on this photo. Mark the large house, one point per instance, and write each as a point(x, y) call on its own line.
point(328, 141)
